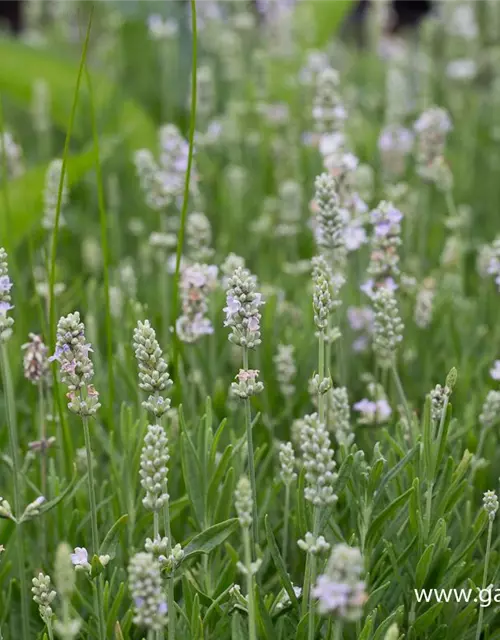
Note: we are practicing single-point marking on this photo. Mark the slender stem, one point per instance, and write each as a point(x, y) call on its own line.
point(312, 580)
point(43, 462)
point(171, 579)
point(252, 634)
point(156, 534)
point(93, 519)
point(338, 630)
point(428, 510)
point(307, 572)
point(192, 125)
point(285, 523)
point(321, 374)
point(485, 578)
point(402, 396)
point(18, 489)
point(49, 629)
point(251, 462)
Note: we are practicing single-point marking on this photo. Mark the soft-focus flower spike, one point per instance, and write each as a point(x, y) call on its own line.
point(77, 371)
point(13, 155)
point(330, 232)
point(286, 369)
point(341, 589)
point(51, 195)
point(243, 502)
point(6, 322)
point(146, 589)
point(197, 281)
point(388, 326)
point(35, 360)
point(287, 463)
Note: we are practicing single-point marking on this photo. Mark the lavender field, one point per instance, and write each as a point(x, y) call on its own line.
point(249, 322)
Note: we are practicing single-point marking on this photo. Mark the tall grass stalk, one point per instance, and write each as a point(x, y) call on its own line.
point(252, 631)
point(17, 484)
point(251, 461)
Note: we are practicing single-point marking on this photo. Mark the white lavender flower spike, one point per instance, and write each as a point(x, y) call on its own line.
point(35, 360)
point(5, 306)
point(146, 589)
point(77, 371)
point(341, 589)
point(153, 371)
point(318, 461)
point(388, 326)
point(243, 502)
point(43, 596)
point(490, 504)
point(51, 195)
point(154, 468)
point(242, 309)
point(330, 233)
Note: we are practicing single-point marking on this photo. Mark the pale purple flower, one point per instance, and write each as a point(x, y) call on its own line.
point(332, 596)
point(361, 344)
point(396, 139)
point(384, 410)
point(4, 307)
point(232, 308)
point(360, 318)
point(367, 409)
point(80, 557)
point(253, 323)
point(369, 286)
point(495, 370)
point(354, 236)
point(5, 284)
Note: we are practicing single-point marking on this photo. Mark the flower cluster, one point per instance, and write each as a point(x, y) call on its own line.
point(384, 258)
point(77, 371)
point(495, 370)
point(198, 237)
point(243, 502)
point(339, 417)
point(64, 577)
point(313, 545)
point(431, 127)
point(43, 595)
point(248, 384)
point(154, 468)
point(13, 154)
point(373, 411)
point(35, 360)
point(330, 230)
point(328, 112)
point(286, 369)
point(51, 195)
point(388, 326)
point(242, 309)
point(490, 504)
point(424, 303)
point(287, 463)
point(318, 461)
point(490, 413)
point(197, 280)
point(153, 371)
point(361, 321)
point(439, 396)
point(150, 607)
point(394, 144)
point(341, 589)
point(326, 295)
point(162, 181)
point(5, 305)
point(290, 209)
point(5, 509)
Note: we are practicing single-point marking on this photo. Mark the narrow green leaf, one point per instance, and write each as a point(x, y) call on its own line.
point(110, 537)
point(387, 514)
point(208, 540)
point(278, 562)
point(263, 618)
point(423, 566)
point(191, 470)
point(424, 622)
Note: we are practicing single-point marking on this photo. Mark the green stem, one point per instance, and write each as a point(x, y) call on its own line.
point(485, 577)
point(428, 510)
point(43, 462)
point(93, 520)
point(285, 523)
point(18, 489)
point(49, 629)
point(251, 462)
point(192, 125)
point(171, 579)
point(252, 634)
point(312, 580)
point(402, 396)
point(338, 630)
point(321, 374)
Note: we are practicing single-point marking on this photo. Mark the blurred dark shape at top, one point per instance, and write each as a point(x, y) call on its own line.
point(405, 15)
point(11, 15)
